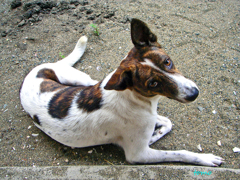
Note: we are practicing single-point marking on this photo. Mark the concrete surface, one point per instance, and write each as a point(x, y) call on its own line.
point(118, 172)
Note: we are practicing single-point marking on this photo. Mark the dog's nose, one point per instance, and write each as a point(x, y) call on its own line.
point(193, 95)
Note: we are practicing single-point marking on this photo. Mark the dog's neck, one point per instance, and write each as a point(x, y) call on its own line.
point(148, 103)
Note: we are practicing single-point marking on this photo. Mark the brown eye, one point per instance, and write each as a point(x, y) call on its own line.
point(153, 84)
point(167, 62)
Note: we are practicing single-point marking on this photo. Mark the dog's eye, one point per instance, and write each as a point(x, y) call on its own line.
point(153, 84)
point(167, 62)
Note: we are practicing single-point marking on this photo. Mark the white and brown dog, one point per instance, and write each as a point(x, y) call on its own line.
point(121, 109)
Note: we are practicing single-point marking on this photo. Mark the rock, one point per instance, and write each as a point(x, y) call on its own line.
point(75, 2)
point(92, 17)
point(28, 14)
point(71, 6)
point(125, 19)
point(82, 9)
point(41, 4)
point(37, 9)
point(199, 147)
point(4, 33)
point(54, 10)
point(109, 14)
point(15, 4)
point(27, 6)
point(84, 2)
point(22, 23)
point(35, 135)
point(200, 108)
point(47, 4)
point(89, 11)
point(64, 5)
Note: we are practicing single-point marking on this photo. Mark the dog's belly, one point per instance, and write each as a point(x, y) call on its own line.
point(78, 133)
point(71, 139)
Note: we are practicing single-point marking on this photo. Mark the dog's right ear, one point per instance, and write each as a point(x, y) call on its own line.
point(120, 80)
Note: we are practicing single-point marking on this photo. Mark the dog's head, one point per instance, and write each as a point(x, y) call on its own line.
point(149, 71)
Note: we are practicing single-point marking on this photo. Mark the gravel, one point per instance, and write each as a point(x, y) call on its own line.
point(200, 36)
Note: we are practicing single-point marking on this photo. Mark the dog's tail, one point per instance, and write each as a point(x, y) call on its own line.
point(76, 54)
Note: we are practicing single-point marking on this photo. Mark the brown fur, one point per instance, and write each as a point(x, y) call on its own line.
point(47, 74)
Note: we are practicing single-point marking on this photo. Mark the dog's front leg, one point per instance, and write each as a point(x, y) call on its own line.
point(162, 127)
point(148, 155)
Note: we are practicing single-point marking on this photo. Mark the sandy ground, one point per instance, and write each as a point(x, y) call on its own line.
point(202, 37)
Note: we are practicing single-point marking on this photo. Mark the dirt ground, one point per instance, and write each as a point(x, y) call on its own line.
point(201, 36)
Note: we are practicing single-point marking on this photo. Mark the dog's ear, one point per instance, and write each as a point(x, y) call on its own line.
point(141, 35)
point(120, 80)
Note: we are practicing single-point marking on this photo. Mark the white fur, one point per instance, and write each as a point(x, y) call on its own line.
point(126, 118)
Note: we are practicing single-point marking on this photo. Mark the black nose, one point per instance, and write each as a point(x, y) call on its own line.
point(193, 95)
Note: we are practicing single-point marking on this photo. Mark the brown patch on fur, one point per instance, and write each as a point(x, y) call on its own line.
point(90, 98)
point(61, 102)
point(50, 86)
point(158, 56)
point(36, 120)
point(47, 74)
point(144, 75)
point(51, 82)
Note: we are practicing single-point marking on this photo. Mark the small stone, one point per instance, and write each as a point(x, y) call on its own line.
point(199, 147)
point(75, 2)
point(3, 33)
point(214, 112)
point(92, 17)
point(89, 11)
point(84, 2)
point(37, 9)
point(35, 135)
point(200, 108)
point(90, 152)
point(99, 68)
point(109, 14)
point(28, 14)
point(30, 38)
point(236, 150)
point(15, 4)
point(71, 6)
point(219, 143)
point(4, 106)
point(22, 23)
point(66, 160)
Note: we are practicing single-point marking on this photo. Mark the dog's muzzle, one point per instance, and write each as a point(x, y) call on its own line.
point(192, 95)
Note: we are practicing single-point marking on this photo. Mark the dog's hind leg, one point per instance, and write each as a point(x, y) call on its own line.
point(162, 127)
point(71, 76)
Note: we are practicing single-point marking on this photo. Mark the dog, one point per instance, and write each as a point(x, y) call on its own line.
point(121, 109)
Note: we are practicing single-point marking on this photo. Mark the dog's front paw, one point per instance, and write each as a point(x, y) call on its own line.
point(209, 160)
